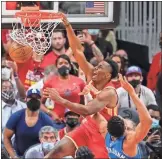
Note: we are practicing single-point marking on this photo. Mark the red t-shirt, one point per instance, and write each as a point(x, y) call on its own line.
point(68, 89)
point(26, 70)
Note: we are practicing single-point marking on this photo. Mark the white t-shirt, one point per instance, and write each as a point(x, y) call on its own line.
point(146, 96)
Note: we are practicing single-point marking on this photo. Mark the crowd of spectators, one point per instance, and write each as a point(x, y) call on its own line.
point(32, 125)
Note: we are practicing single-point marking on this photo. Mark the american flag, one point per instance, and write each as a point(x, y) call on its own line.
point(94, 7)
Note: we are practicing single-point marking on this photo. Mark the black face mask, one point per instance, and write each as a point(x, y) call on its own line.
point(33, 104)
point(63, 71)
point(135, 83)
point(72, 122)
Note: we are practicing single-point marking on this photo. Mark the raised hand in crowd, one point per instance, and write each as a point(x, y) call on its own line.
point(14, 73)
point(86, 90)
point(85, 37)
point(12, 65)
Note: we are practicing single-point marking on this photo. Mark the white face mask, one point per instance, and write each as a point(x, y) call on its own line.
point(93, 31)
point(48, 146)
point(6, 73)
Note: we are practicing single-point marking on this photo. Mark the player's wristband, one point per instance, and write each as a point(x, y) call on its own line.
point(67, 25)
point(91, 43)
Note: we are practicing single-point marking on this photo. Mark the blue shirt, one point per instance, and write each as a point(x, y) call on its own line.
point(26, 136)
point(115, 148)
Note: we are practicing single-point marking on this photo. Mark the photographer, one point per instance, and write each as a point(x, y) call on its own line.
point(154, 137)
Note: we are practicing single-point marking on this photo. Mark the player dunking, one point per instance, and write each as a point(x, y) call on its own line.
point(105, 97)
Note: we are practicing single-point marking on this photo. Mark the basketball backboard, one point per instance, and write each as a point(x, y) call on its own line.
point(85, 14)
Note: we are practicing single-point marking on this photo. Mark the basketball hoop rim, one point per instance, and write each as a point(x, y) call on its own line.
point(33, 12)
point(37, 15)
point(32, 29)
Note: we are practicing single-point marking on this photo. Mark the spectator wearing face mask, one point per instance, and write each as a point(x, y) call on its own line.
point(154, 136)
point(25, 125)
point(9, 72)
point(48, 139)
point(9, 103)
point(48, 73)
point(72, 121)
point(134, 77)
point(68, 86)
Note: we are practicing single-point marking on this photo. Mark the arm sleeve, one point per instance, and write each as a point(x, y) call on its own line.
point(13, 120)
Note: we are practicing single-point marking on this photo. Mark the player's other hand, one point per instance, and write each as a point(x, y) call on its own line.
point(85, 91)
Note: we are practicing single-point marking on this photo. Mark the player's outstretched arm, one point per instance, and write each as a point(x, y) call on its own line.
point(77, 48)
point(105, 97)
point(144, 126)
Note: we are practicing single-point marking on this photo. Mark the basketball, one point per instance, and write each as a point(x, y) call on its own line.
point(20, 53)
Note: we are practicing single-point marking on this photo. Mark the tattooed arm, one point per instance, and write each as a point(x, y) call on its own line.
point(96, 52)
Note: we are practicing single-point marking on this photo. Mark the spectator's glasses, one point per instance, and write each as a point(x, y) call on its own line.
point(49, 138)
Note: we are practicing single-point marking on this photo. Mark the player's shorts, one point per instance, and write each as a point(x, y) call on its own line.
point(87, 134)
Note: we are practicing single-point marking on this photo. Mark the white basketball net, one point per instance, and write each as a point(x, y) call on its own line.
point(38, 38)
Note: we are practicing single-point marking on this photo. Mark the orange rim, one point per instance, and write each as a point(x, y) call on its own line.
point(31, 16)
point(37, 15)
point(34, 12)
